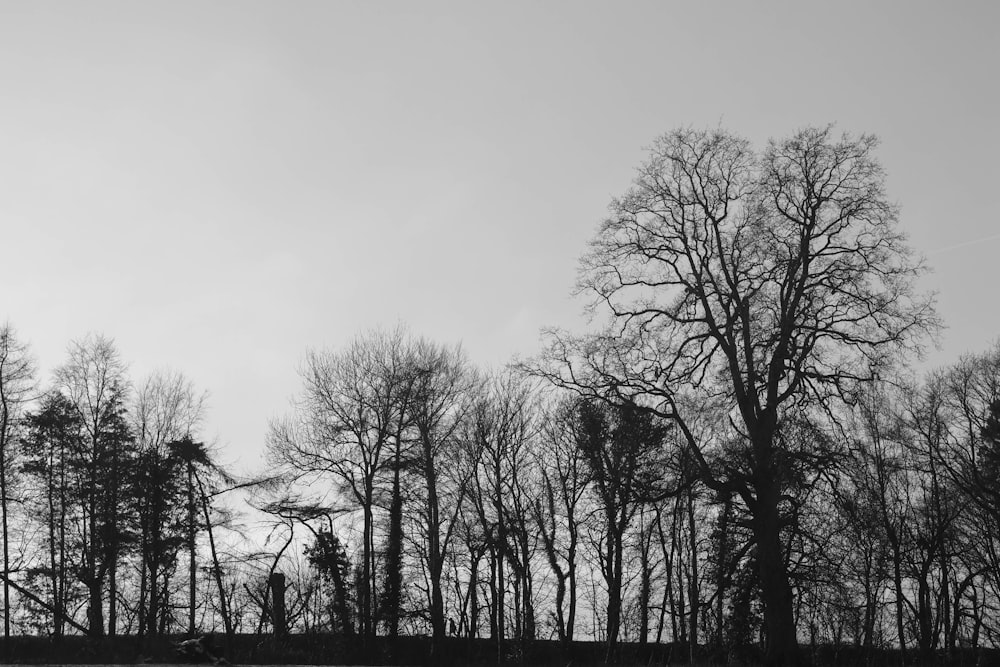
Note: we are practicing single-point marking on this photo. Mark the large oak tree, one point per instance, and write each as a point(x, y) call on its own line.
point(767, 278)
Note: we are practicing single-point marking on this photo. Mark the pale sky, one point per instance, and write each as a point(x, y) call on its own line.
point(221, 185)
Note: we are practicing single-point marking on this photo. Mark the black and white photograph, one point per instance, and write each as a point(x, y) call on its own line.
point(480, 332)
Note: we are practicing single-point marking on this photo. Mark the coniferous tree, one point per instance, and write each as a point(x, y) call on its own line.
point(94, 382)
point(328, 556)
point(49, 441)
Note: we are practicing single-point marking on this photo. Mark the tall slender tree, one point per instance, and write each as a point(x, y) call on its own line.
point(166, 408)
point(558, 511)
point(441, 400)
point(17, 374)
point(625, 448)
point(94, 382)
point(50, 439)
point(343, 431)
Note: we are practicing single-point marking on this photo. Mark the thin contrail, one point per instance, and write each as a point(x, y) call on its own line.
point(963, 244)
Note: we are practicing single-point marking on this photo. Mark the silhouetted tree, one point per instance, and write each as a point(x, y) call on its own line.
point(557, 511)
point(17, 374)
point(195, 459)
point(496, 437)
point(330, 559)
point(442, 396)
point(49, 441)
point(166, 409)
point(625, 448)
point(765, 278)
point(343, 430)
point(94, 382)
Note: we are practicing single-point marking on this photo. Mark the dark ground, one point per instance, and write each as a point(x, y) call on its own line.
point(325, 649)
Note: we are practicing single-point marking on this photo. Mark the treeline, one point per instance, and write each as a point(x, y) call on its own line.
point(740, 457)
point(517, 511)
point(109, 499)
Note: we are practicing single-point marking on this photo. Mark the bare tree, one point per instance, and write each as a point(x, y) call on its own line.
point(557, 511)
point(882, 491)
point(94, 381)
point(625, 449)
point(973, 457)
point(344, 427)
point(166, 408)
point(765, 278)
point(17, 374)
point(496, 436)
point(442, 397)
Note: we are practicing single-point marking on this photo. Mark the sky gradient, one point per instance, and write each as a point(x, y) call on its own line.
point(221, 185)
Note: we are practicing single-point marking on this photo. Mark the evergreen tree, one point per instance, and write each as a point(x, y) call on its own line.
point(328, 556)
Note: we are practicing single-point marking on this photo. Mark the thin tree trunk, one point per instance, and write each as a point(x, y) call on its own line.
point(191, 549)
point(365, 594)
point(59, 607)
point(897, 579)
point(614, 556)
point(645, 576)
point(114, 547)
point(474, 596)
point(6, 535)
point(668, 566)
point(394, 553)
point(53, 564)
point(45, 605)
point(227, 620)
point(142, 611)
point(723, 567)
point(95, 613)
point(527, 603)
point(435, 559)
point(571, 614)
point(694, 593)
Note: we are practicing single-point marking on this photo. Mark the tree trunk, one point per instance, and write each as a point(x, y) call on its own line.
point(527, 603)
point(142, 610)
point(571, 613)
point(153, 612)
point(365, 593)
point(614, 566)
point(53, 564)
point(95, 612)
point(435, 559)
point(6, 536)
point(781, 647)
point(114, 547)
point(498, 601)
point(560, 600)
point(191, 550)
point(723, 567)
point(113, 597)
point(474, 596)
point(645, 535)
point(394, 555)
point(693, 591)
point(897, 580)
point(59, 606)
point(227, 621)
point(668, 590)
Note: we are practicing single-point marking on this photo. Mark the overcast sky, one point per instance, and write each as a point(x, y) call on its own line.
point(221, 185)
